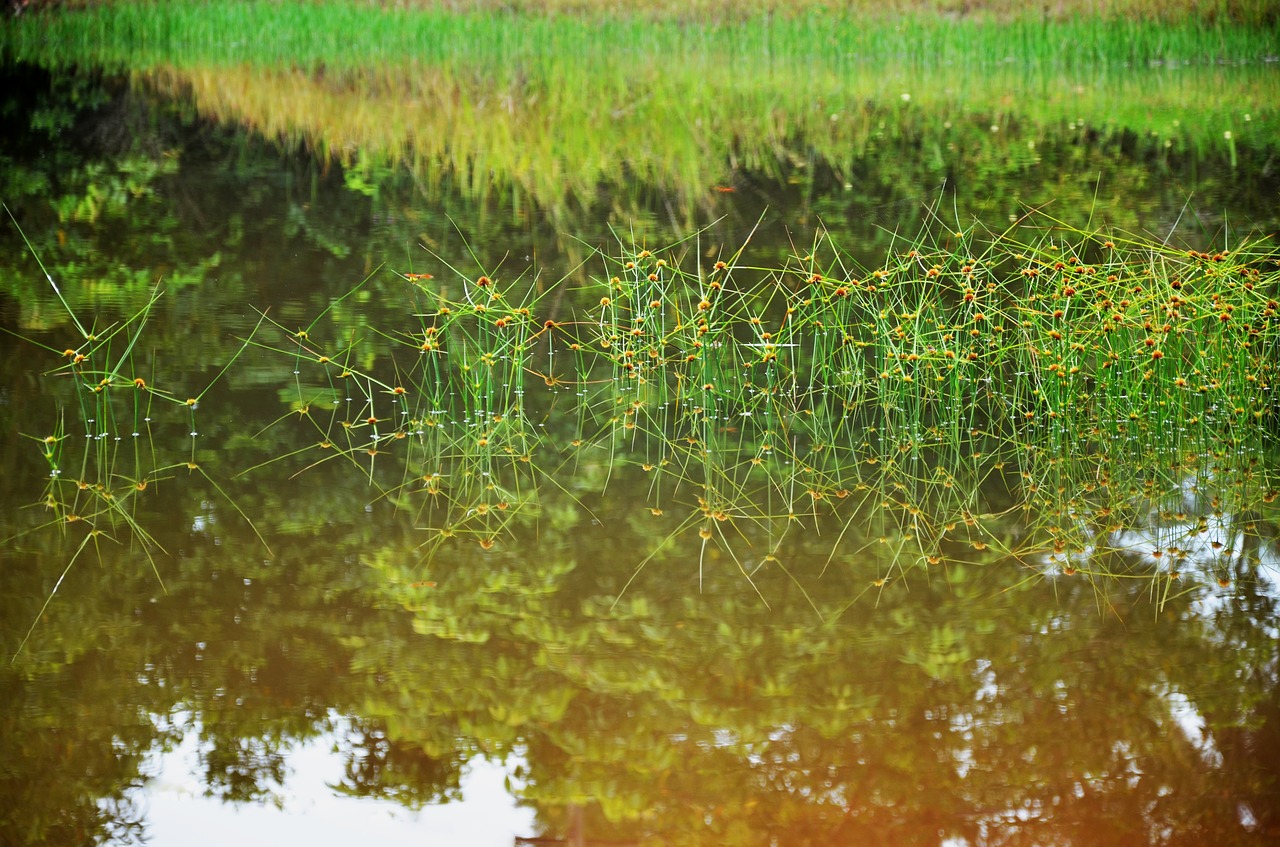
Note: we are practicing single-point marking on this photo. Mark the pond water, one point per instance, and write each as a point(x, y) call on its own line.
point(256, 588)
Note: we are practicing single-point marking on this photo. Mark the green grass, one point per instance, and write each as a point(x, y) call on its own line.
point(350, 35)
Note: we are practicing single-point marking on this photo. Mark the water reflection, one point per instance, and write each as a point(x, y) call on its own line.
point(317, 799)
point(970, 707)
point(549, 139)
point(966, 641)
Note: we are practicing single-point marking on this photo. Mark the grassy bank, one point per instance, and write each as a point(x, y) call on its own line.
point(343, 34)
point(1250, 12)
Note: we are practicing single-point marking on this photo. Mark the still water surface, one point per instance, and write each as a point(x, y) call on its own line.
point(274, 645)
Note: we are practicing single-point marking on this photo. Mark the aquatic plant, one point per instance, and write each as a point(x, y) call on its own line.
point(120, 435)
point(1036, 395)
point(1061, 400)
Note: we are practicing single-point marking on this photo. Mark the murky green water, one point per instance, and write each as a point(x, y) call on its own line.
point(589, 632)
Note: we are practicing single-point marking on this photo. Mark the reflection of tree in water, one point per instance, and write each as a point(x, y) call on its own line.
point(243, 770)
point(386, 768)
point(69, 786)
point(674, 717)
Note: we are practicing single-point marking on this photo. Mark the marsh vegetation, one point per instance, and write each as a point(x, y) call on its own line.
point(816, 409)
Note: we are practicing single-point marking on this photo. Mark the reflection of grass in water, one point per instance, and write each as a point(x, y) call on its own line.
point(556, 130)
point(974, 397)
